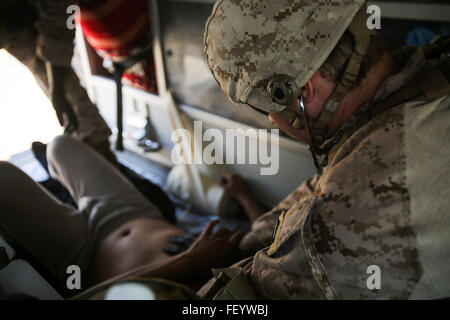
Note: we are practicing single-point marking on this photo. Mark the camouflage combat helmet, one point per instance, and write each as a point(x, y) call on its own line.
point(263, 52)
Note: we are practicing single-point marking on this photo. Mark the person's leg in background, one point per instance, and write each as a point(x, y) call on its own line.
point(48, 229)
point(92, 128)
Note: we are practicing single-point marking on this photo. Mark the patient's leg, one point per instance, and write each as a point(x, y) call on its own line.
point(89, 177)
point(48, 229)
point(128, 230)
point(106, 197)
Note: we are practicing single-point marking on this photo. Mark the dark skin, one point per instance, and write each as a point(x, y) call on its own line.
point(236, 187)
point(192, 267)
point(64, 111)
point(136, 248)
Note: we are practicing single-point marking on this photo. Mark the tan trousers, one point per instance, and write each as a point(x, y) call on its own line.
point(58, 235)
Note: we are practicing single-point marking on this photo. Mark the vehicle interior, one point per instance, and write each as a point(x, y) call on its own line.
point(182, 91)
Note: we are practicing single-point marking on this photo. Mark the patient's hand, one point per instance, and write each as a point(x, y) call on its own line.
point(235, 186)
point(213, 250)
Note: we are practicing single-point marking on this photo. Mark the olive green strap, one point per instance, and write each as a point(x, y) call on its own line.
point(318, 128)
point(230, 284)
point(237, 287)
point(361, 35)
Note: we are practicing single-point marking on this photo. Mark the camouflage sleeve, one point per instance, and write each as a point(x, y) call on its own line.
point(262, 229)
point(54, 40)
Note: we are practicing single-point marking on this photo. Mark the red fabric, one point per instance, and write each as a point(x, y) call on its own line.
point(116, 28)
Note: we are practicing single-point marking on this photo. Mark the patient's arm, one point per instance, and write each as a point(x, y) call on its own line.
point(194, 265)
point(237, 187)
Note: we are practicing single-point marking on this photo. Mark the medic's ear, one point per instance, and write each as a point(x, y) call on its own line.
point(308, 92)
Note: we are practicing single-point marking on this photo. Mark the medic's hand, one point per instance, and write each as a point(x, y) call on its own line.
point(64, 112)
point(213, 250)
point(284, 125)
point(235, 186)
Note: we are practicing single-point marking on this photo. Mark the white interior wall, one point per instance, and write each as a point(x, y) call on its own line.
point(295, 162)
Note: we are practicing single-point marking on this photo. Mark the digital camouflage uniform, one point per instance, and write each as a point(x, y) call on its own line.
point(383, 197)
point(382, 200)
point(49, 39)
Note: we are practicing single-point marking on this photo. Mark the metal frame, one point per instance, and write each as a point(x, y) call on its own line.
point(414, 11)
point(217, 121)
point(157, 48)
point(86, 67)
point(394, 9)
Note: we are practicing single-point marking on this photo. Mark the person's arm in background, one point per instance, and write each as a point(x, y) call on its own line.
point(236, 187)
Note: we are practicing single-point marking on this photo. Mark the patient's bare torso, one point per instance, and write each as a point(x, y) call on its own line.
point(136, 243)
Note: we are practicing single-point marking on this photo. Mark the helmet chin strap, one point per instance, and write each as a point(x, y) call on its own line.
point(317, 157)
point(284, 89)
point(317, 129)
